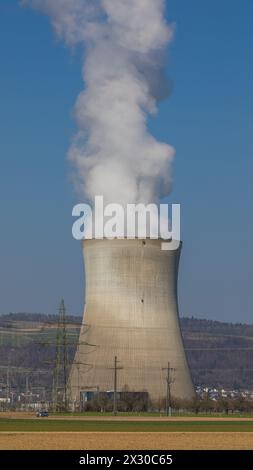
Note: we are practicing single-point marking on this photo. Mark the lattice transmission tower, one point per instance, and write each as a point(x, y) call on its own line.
point(60, 374)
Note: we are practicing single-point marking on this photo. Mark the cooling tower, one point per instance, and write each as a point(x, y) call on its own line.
point(131, 312)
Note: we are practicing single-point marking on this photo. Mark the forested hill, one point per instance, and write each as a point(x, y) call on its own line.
point(215, 327)
point(219, 354)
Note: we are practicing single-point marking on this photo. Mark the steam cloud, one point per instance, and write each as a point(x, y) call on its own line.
point(124, 41)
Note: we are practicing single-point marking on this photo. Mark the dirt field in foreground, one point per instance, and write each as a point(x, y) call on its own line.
point(125, 441)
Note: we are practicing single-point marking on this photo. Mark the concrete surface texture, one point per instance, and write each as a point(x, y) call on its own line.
point(131, 312)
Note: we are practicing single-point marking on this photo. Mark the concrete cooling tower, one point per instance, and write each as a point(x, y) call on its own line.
point(131, 312)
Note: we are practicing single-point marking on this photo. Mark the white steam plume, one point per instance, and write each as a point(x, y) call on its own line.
point(113, 151)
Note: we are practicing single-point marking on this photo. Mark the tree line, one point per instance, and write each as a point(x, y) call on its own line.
point(132, 403)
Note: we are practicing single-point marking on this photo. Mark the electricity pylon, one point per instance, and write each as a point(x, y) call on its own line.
point(60, 377)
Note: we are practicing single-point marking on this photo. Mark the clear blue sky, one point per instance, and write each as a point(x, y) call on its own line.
point(208, 119)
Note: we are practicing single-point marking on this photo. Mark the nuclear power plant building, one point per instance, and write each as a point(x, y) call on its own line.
point(131, 312)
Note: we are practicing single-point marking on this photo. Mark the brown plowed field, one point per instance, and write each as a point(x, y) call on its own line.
point(70, 440)
point(125, 441)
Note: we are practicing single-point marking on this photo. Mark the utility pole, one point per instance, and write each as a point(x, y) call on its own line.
point(115, 387)
point(169, 381)
point(65, 357)
point(27, 393)
point(78, 388)
point(115, 368)
point(8, 387)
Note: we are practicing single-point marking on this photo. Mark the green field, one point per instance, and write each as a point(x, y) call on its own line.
point(45, 425)
point(150, 414)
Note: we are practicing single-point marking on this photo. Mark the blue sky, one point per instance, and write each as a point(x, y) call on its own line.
point(208, 118)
